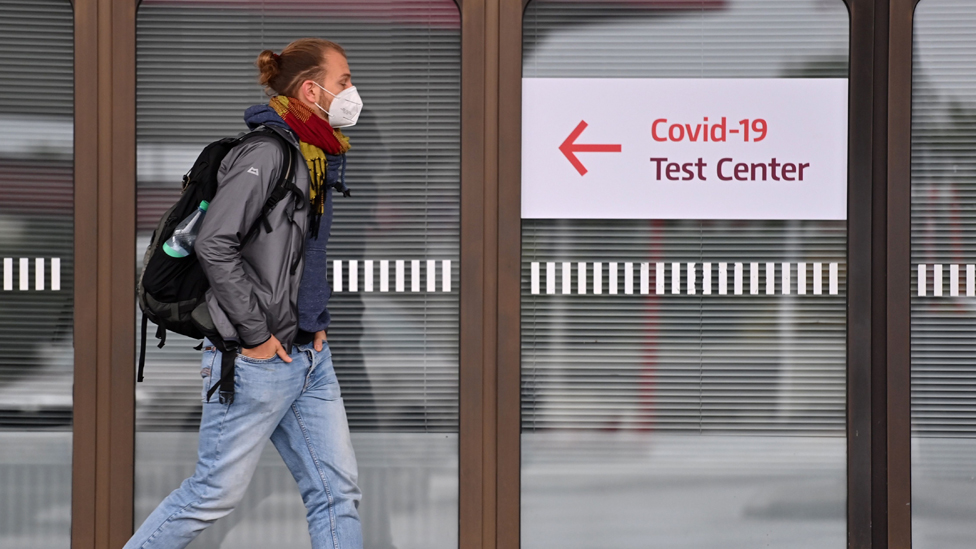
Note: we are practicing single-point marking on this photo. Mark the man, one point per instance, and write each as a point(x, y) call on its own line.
point(268, 296)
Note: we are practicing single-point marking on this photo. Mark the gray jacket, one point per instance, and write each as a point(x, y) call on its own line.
point(254, 290)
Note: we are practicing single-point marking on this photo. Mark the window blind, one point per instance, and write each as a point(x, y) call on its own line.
point(943, 234)
point(749, 363)
point(36, 213)
point(762, 364)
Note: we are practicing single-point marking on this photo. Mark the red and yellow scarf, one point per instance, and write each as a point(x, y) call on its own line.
point(316, 139)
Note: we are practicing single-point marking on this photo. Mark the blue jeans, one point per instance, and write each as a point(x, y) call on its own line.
point(298, 406)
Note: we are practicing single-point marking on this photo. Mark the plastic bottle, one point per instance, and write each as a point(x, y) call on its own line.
point(185, 234)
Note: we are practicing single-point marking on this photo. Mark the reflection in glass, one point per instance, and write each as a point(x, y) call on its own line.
point(683, 420)
point(943, 253)
point(36, 261)
point(395, 348)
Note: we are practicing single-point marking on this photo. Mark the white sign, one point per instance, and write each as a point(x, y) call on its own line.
point(684, 148)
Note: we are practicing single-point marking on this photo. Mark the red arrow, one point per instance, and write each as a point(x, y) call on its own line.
point(569, 148)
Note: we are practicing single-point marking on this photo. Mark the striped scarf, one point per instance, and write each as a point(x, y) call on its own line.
point(317, 140)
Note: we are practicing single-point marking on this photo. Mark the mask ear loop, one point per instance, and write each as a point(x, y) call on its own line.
point(326, 91)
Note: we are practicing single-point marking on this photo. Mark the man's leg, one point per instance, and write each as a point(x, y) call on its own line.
point(313, 439)
point(231, 439)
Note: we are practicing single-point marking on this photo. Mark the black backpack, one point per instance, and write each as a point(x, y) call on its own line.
point(171, 290)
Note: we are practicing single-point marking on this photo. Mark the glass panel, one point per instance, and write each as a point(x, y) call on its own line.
point(657, 414)
point(943, 255)
point(37, 255)
point(394, 334)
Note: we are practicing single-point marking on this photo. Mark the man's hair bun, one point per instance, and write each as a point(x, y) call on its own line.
point(269, 64)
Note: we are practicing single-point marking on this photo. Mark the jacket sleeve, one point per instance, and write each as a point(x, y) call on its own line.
point(243, 185)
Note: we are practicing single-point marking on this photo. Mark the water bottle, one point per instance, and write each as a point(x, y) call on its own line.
point(185, 234)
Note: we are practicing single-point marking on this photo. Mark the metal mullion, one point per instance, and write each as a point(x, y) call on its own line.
point(509, 274)
point(861, 297)
point(84, 451)
point(474, 520)
point(104, 404)
point(898, 379)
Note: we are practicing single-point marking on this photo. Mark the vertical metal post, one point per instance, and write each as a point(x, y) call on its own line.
point(899, 153)
point(477, 386)
point(84, 452)
point(861, 243)
point(105, 254)
point(509, 272)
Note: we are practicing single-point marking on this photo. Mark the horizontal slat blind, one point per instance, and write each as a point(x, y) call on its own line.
point(37, 42)
point(943, 218)
point(36, 214)
point(703, 39)
point(719, 363)
point(758, 363)
point(396, 353)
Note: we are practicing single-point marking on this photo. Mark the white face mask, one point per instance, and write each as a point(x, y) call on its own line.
point(345, 107)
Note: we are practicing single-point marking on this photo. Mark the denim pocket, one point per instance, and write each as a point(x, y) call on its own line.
point(326, 352)
point(324, 377)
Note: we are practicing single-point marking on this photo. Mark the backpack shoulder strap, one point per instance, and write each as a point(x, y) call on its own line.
point(142, 349)
point(284, 185)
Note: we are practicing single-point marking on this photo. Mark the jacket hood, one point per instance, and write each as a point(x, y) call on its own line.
point(262, 115)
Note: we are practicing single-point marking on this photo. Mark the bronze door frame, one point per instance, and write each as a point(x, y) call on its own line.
point(104, 395)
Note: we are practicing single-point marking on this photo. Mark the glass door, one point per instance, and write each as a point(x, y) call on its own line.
point(943, 239)
point(36, 261)
point(393, 253)
point(684, 244)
